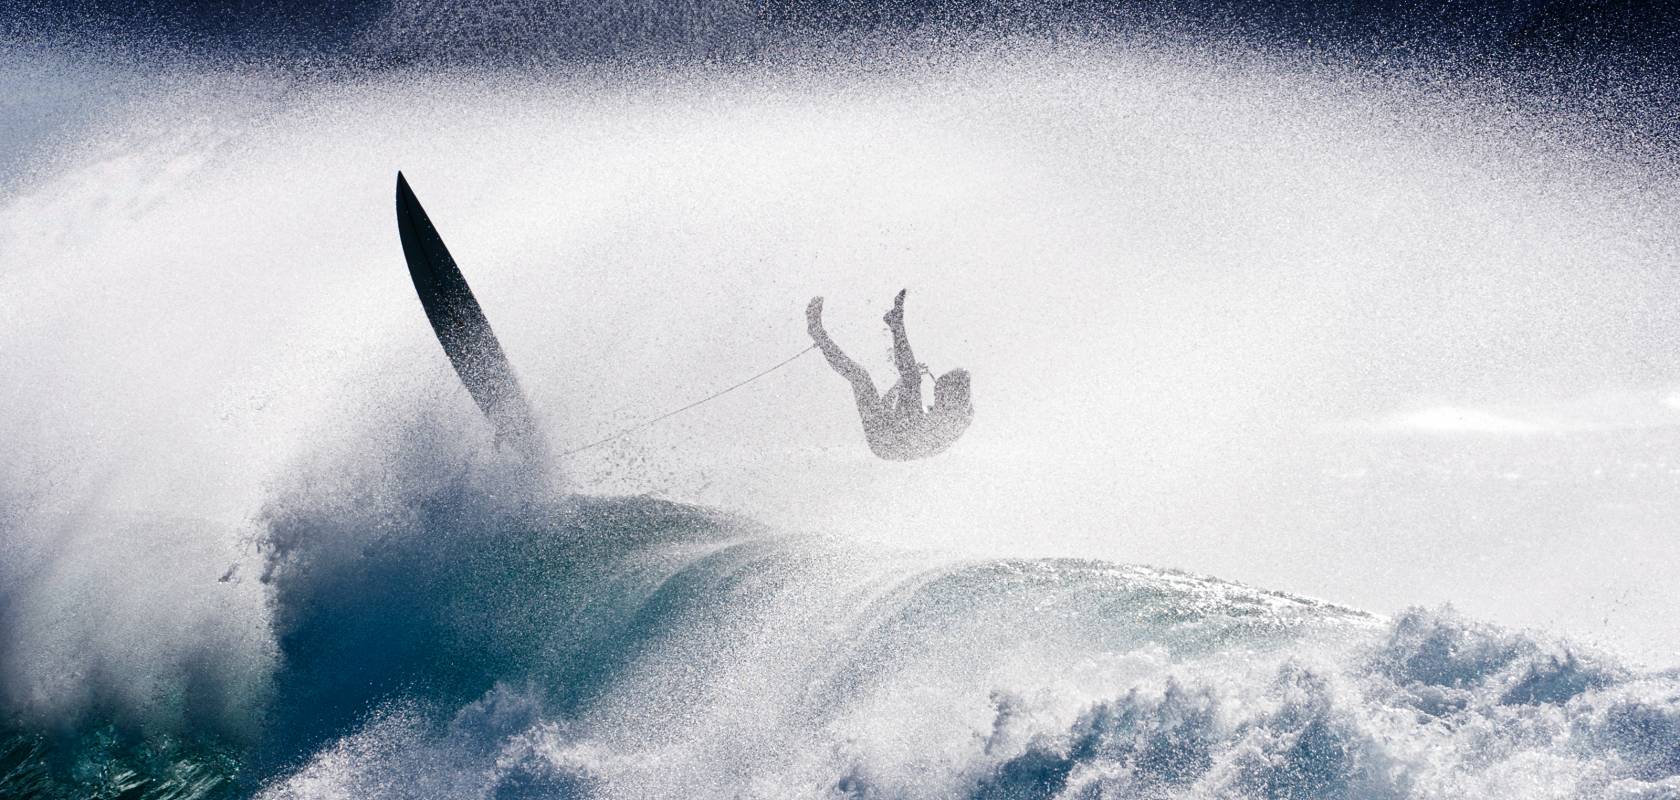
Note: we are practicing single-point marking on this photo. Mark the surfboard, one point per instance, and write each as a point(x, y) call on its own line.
point(461, 327)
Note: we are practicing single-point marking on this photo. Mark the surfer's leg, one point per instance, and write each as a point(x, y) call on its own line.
point(909, 372)
point(863, 386)
point(872, 409)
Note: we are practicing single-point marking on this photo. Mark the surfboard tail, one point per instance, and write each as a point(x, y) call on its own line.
point(461, 326)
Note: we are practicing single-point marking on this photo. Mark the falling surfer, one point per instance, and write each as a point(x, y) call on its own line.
point(896, 424)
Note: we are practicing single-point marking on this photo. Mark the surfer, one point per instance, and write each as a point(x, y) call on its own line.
point(896, 424)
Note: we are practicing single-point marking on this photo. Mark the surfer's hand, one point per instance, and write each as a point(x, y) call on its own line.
point(813, 318)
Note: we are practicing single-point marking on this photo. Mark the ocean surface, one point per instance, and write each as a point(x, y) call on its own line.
point(1326, 442)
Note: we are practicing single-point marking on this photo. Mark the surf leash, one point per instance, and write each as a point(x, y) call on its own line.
point(708, 398)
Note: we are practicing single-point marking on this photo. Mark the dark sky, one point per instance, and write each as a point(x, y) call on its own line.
point(1625, 30)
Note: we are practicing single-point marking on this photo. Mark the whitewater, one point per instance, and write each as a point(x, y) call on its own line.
point(1395, 347)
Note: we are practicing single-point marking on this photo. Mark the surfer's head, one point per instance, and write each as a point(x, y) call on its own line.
point(950, 392)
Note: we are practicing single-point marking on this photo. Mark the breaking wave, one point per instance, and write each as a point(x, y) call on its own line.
point(452, 631)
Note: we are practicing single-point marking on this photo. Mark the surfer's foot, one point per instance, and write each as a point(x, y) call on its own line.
point(896, 315)
point(813, 319)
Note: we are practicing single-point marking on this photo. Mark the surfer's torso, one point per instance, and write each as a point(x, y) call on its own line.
point(900, 429)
